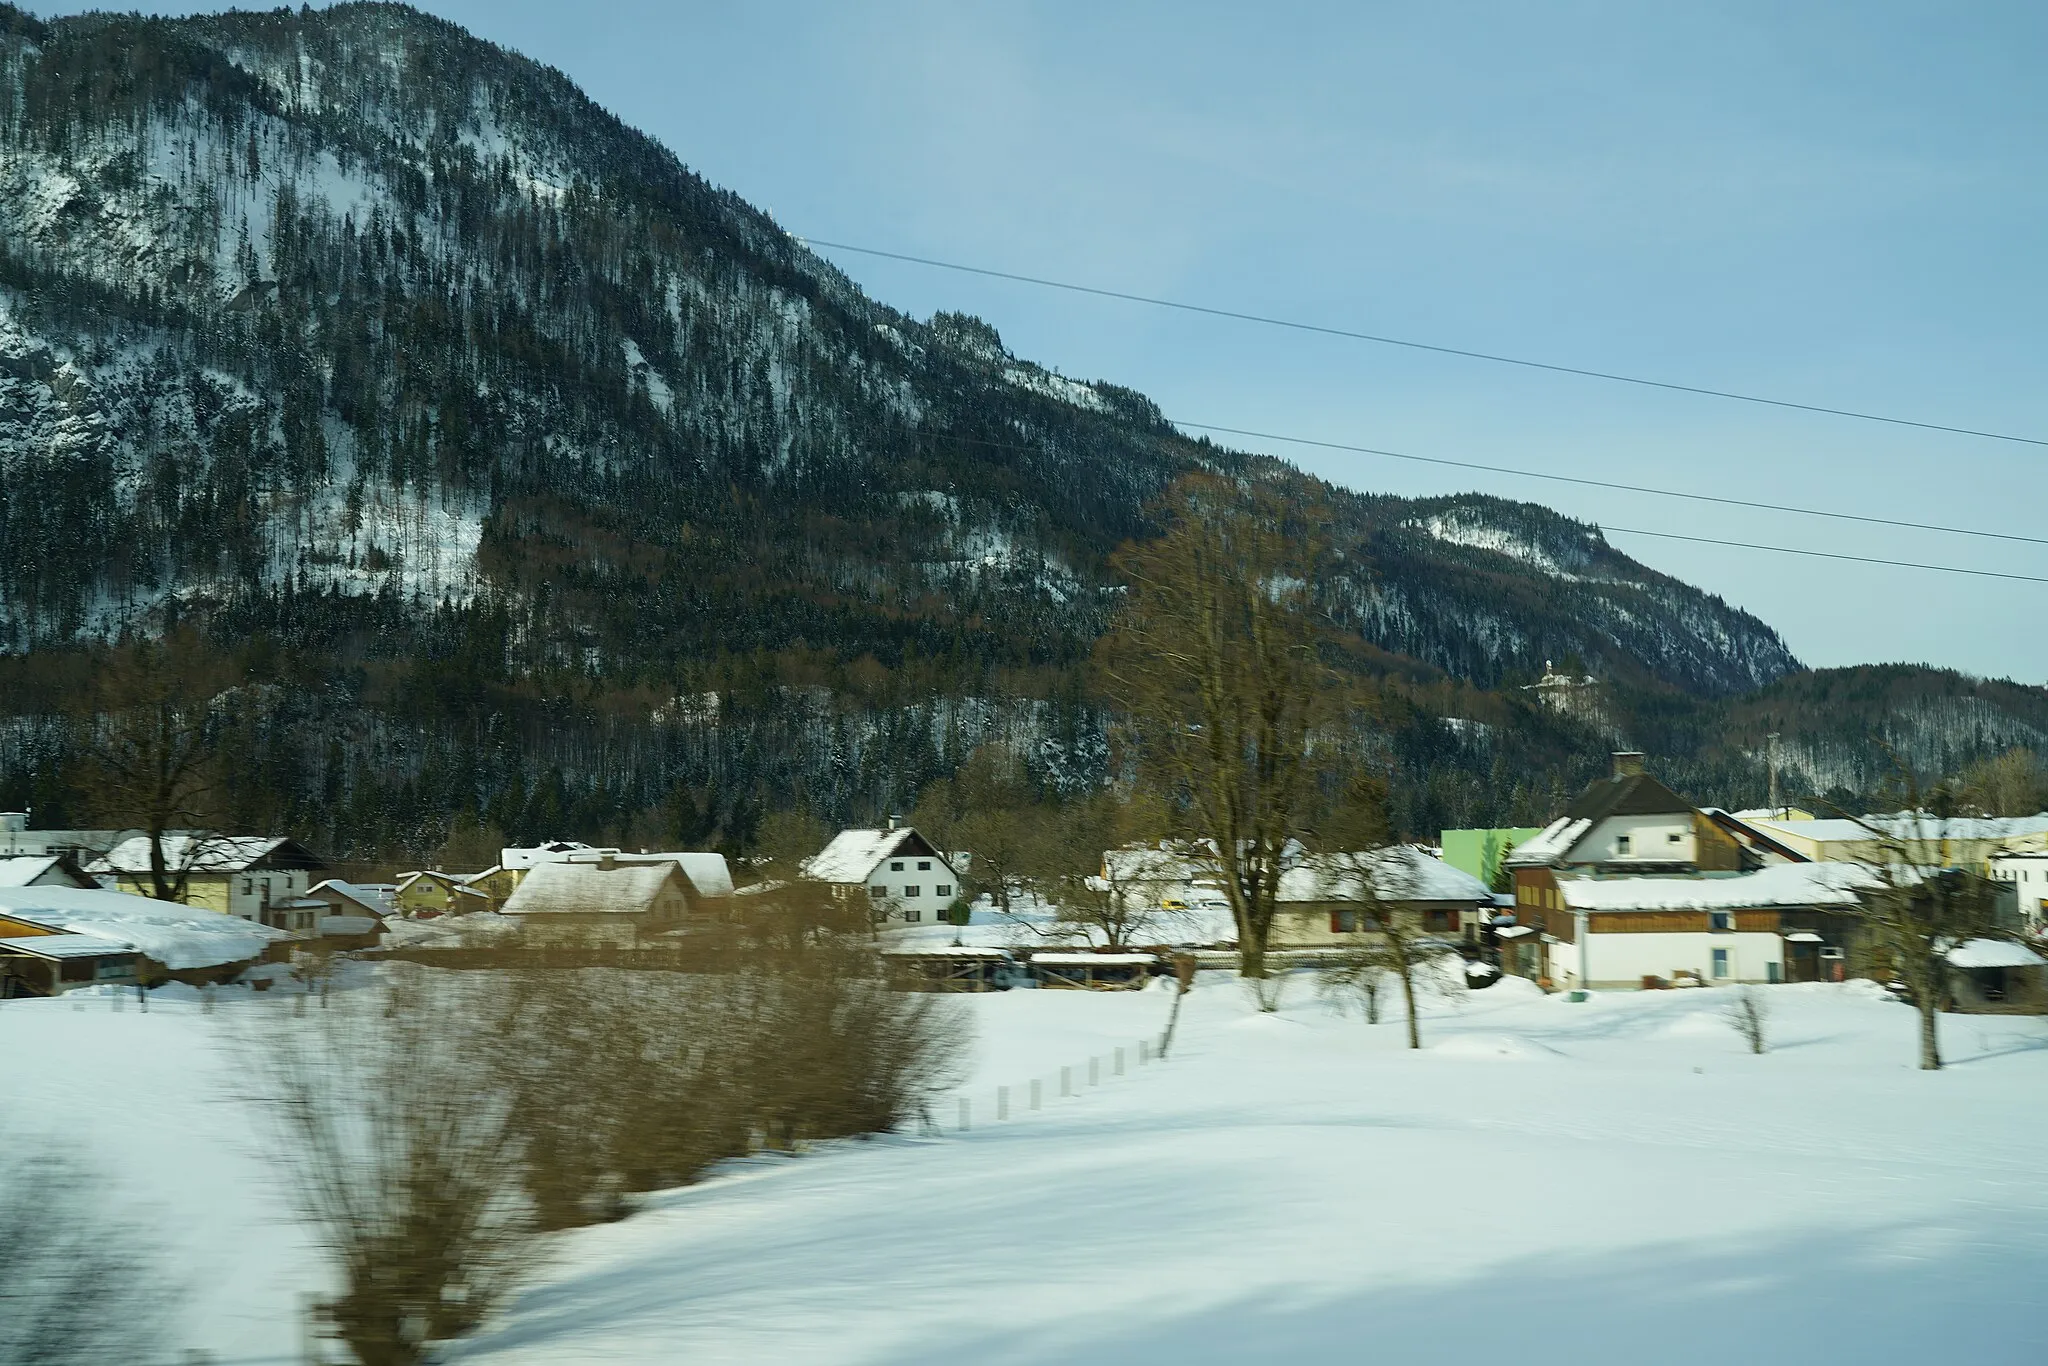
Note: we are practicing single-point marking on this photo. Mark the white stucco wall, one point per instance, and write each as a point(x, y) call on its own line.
point(1650, 840)
point(927, 874)
point(1625, 959)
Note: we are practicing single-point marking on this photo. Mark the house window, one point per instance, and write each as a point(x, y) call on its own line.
point(878, 892)
point(942, 889)
point(913, 890)
point(897, 866)
point(248, 886)
point(913, 914)
point(1720, 962)
point(924, 865)
point(1343, 922)
point(1674, 838)
point(1438, 920)
point(1621, 844)
point(1722, 920)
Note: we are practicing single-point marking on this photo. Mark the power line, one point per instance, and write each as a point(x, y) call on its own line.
point(1376, 338)
point(1827, 555)
point(1615, 484)
point(1630, 531)
point(1554, 478)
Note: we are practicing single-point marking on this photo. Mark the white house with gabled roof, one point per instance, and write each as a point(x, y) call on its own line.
point(900, 874)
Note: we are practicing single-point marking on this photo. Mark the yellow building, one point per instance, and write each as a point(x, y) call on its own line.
point(238, 875)
point(425, 895)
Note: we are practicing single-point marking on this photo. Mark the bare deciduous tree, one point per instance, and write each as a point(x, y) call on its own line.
point(1217, 660)
point(1921, 904)
point(151, 761)
point(2014, 783)
point(78, 1287)
point(1396, 947)
point(402, 1156)
point(1749, 1014)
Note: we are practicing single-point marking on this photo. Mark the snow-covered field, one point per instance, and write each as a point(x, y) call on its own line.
point(1545, 1182)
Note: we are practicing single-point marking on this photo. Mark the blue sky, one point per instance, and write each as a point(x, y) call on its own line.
point(1836, 203)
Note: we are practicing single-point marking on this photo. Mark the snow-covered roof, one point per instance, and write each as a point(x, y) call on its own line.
point(1075, 960)
point(24, 870)
point(449, 931)
point(1906, 825)
point(371, 899)
point(1782, 885)
point(947, 951)
point(200, 854)
point(1994, 953)
point(853, 854)
point(1149, 864)
point(1403, 872)
point(177, 936)
point(591, 888)
point(349, 924)
point(1555, 842)
point(66, 945)
point(540, 853)
point(707, 874)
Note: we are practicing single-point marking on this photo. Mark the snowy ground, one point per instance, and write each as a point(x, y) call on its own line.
point(1544, 1182)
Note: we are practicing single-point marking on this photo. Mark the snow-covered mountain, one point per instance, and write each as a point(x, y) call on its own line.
point(354, 305)
point(346, 332)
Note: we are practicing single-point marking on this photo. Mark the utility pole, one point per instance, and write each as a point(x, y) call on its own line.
point(1776, 811)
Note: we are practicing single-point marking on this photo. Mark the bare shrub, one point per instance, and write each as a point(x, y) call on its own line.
point(621, 1082)
point(402, 1158)
point(1749, 1014)
point(77, 1288)
point(830, 1048)
point(1356, 982)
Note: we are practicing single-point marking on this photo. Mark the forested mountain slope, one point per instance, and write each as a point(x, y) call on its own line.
point(535, 475)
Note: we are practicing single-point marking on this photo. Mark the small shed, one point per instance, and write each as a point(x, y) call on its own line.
point(953, 968)
point(51, 964)
point(1093, 971)
point(1997, 977)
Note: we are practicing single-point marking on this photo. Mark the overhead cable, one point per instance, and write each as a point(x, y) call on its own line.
point(1413, 345)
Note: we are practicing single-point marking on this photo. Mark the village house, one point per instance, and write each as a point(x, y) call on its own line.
point(707, 876)
point(1334, 900)
point(1969, 842)
point(1775, 924)
point(430, 893)
point(46, 870)
point(2027, 876)
point(17, 840)
point(897, 873)
point(237, 875)
point(604, 901)
point(57, 939)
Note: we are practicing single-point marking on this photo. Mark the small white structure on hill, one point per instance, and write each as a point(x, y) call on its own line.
point(902, 876)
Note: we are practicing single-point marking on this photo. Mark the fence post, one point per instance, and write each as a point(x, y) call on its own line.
point(1144, 1051)
point(964, 1112)
point(1119, 1062)
point(1036, 1097)
point(1095, 1071)
point(1002, 1102)
point(1066, 1081)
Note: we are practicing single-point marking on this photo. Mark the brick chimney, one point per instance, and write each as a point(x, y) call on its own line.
point(1628, 763)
